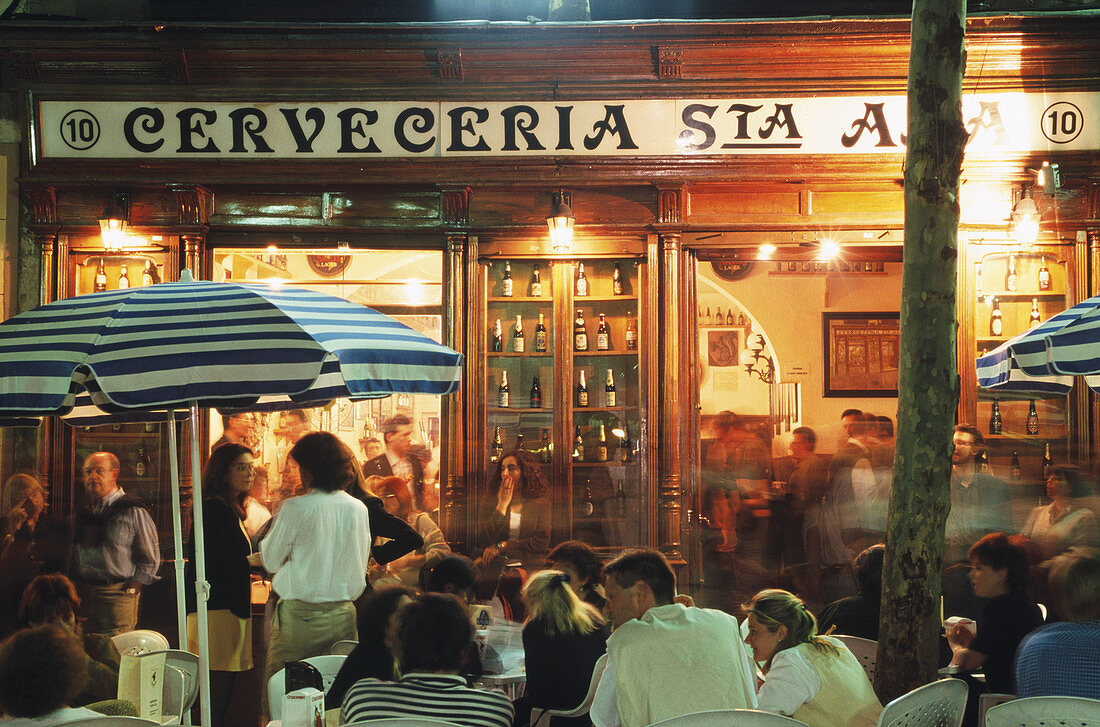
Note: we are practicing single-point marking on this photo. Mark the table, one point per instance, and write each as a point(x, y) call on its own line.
point(511, 682)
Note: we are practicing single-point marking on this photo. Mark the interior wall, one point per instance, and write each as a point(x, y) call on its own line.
point(788, 308)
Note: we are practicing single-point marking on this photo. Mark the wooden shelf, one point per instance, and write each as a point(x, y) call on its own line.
point(582, 409)
point(582, 354)
point(609, 463)
point(524, 354)
point(1020, 297)
point(578, 299)
point(519, 410)
point(521, 299)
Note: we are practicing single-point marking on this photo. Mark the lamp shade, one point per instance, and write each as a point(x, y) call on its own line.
point(112, 225)
point(1025, 220)
point(560, 222)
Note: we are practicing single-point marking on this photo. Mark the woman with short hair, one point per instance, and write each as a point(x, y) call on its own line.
point(814, 679)
point(398, 501)
point(1063, 523)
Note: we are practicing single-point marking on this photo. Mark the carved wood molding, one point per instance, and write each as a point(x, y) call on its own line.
point(175, 64)
point(670, 62)
point(43, 205)
point(195, 204)
point(670, 205)
point(669, 492)
point(450, 64)
point(456, 206)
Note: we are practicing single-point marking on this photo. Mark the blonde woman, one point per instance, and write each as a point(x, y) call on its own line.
point(813, 678)
point(562, 639)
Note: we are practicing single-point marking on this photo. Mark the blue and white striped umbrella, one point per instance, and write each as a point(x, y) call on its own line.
point(230, 345)
point(1045, 359)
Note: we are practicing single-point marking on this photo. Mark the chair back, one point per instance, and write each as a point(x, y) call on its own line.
point(729, 718)
point(140, 641)
point(188, 664)
point(865, 650)
point(1035, 711)
point(329, 666)
point(988, 701)
point(174, 688)
point(402, 722)
point(106, 721)
point(343, 648)
point(939, 704)
point(580, 710)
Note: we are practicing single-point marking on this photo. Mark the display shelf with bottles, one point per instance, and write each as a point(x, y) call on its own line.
point(97, 272)
point(578, 319)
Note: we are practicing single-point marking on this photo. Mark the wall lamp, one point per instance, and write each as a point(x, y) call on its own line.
point(561, 222)
point(1049, 178)
point(113, 221)
point(755, 361)
point(1025, 219)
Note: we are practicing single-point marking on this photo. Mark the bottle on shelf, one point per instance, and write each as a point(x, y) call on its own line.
point(578, 446)
point(1035, 318)
point(1016, 472)
point(995, 418)
point(977, 277)
point(498, 446)
point(631, 336)
point(586, 507)
point(536, 393)
point(729, 316)
point(496, 342)
point(141, 462)
point(582, 282)
point(706, 317)
point(1048, 462)
point(626, 446)
point(535, 289)
point(506, 285)
point(504, 396)
point(1044, 276)
point(582, 391)
point(718, 319)
point(1010, 276)
point(123, 278)
point(740, 319)
point(609, 390)
point(100, 283)
point(1032, 419)
point(519, 441)
point(519, 340)
point(983, 462)
point(996, 322)
point(542, 338)
point(580, 333)
point(617, 281)
point(603, 334)
point(544, 447)
point(601, 444)
point(620, 500)
point(149, 274)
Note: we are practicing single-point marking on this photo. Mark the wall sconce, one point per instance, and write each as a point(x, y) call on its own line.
point(113, 221)
point(755, 361)
point(560, 223)
point(1049, 178)
point(1025, 219)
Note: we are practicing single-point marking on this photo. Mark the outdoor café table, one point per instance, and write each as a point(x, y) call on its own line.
point(511, 682)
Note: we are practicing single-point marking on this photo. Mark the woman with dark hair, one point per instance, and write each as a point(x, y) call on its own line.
point(398, 501)
point(372, 657)
point(1064, 523)
point(41, 672)
point(517, 527)
point(226, 481)
point(999, 572)
point(858, 615)
point(31, 543)
point(582, 564)
point(813, 678)
point(52, 600)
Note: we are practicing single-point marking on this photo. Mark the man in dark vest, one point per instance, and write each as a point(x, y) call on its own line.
point(116, 552)
point(397, 460)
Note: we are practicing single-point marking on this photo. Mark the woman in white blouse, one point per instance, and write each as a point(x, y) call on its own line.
point(1065, 522)
point(814, 679)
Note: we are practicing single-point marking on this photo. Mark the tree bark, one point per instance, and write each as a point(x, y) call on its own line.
point(929, 380)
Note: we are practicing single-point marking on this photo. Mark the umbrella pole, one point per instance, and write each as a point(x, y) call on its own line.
point(202, 588)
point(177, 536)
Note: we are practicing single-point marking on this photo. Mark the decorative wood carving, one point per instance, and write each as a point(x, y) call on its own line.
point(43, 205)
point(669, 491)
point(47, 257)
point(670, 205)
point(196, 204)
point(670, 62)
point(456, 207)
point(450, 64)
point(25, 66)
point(175, 64)
point(192, 254)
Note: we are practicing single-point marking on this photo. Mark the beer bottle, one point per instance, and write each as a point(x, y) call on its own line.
point(978, 277)
point(609, 390)
point(706, 317)
point(983, 461)
point(504, 396)
point(582, 282)
point(1032, 419)
point(544, 448)
point(1048, 463)
point(578, 446)
point(1044, 276)
point(582, 391)
point(1035, 318)
point(620, 500)
point(626, 447)
point(141, 462)
point(149, 274)
point(536, 283)
point(996, 323)
point(123, 278)
point(580, 333)
point(542, 339)
point(498, 446)
point(603, 335)
point(631, 333)
point(506, 283)
point(519, 341)
point(729, 316)
point(601, 444)
point(536, 393)
point(995, 418)
point(617, 281)
point(586, 507)
point(519, 441)
point(497, 342)
point(1016, 470)
point(1010, 276)
point(100, 278)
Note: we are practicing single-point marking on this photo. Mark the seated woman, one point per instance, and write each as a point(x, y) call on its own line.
point(581, 563)
point(562, 640)
point(999, 572)
point(517, 527)
point(52, 600)
point(41, 672)
point(814, 679)
point(1064, 523)
point(398, 501)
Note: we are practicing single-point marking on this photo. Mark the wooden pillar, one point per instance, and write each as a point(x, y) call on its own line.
point(454, 498)
point(669, 487)
point(1092, 235)
point(194, 206)
point(191, 258)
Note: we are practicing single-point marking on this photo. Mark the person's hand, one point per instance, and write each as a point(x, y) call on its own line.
point(505, 493)
point(489, 554)
point(17, 517)
point(684, 600)
point(961, 634)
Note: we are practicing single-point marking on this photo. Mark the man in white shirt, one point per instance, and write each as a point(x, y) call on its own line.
point(660, 646)
point(318, 550)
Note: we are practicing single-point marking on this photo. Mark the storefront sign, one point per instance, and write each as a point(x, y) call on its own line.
point(87, 129)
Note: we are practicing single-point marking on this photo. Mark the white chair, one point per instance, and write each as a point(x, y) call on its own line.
point(329, 666)
point(988, 701)
point(111, 722)
point(172, 702)
point(729, 718)
point(597, 672)
point(140, 641)
point(402, 722)
point(343, 648)
point(865, 650)
point(939, 704)
point(188, 664)
point(1041, 711)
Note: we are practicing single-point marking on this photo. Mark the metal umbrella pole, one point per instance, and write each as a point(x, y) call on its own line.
point(177, 537)
point(202, 588)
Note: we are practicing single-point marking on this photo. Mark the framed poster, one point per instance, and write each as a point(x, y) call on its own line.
point(861, 354)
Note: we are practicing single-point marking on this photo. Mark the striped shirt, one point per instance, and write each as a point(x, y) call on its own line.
point(432, 696)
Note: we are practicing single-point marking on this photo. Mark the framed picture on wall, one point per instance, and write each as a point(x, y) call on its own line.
point(861, 354)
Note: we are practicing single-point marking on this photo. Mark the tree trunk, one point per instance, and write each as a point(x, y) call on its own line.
point(929, 380)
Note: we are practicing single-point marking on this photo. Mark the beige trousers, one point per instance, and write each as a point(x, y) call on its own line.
point(300, 629)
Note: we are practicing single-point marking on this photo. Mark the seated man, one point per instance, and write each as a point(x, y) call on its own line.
point(41, 671)
point(1059, 660)
point(433, 635)
point(665, 659)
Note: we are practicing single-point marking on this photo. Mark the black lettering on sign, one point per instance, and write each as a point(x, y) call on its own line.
point(614, 123)
point(688, 117)
point(350, 127)
point(152, 122)
point(743, 110)
point(423, 121)
point(303, 143)
point(782, 118)
point(249, 121)
point(461, 125)
point(513, 123)
point(565, 138)
point(873, 120)
point(190, 126)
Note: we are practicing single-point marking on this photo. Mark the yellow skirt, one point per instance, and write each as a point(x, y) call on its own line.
point(230, 640)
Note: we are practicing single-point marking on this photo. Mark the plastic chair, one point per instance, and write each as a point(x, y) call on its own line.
point(402, 722)
point(1042, 711)
point(865, 650)
point(140, 641)
point(597, 672)
point(988, 701)
point(172, 702)
point(111, 722)
point(329, 666)
point(939, 704)
point(343, 648)
point(188, 665)
point(729, 718)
